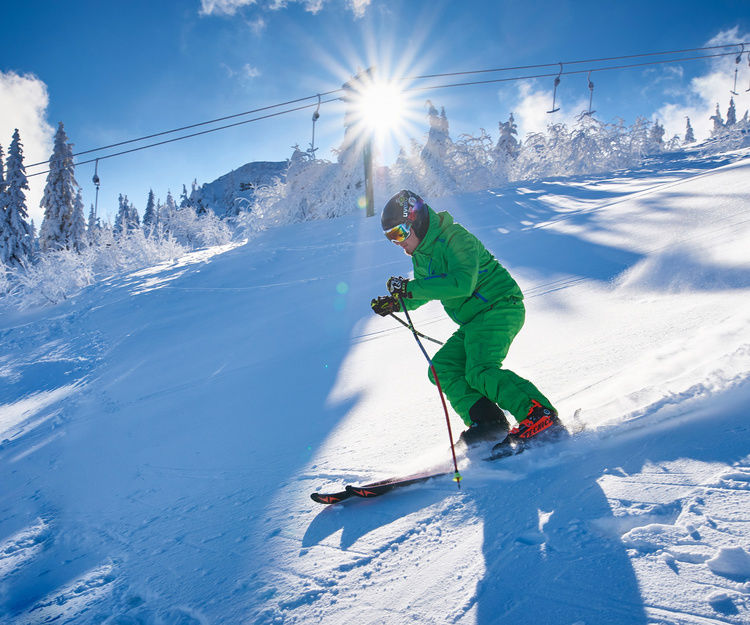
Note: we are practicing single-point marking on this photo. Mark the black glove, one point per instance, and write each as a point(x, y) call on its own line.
point(385, 305)
point(397, 286)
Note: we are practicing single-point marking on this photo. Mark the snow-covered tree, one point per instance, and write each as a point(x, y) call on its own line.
point(507, 144)
point(435, 155)
point(167, 212)
point(127, 219)
point(77, 224)
point(16, 236)
point(59, 197)
point(472, 163)
point(438, 137)
point(2, 190)
point(93, 227)
point(134, 219)
point(689, 134)
point(2, 171)
point(718, 121)
point(731, 114)
point(150, 218)
point(506, 150)
point(656, 137)
point(184, 199)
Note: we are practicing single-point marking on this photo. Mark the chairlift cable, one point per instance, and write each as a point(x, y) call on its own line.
point(406, 90)
point(567, 73)
point(195, 134)
point(212, 121)
point(598, 60)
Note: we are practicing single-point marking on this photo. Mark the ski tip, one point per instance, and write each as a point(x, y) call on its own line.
point(329, 498)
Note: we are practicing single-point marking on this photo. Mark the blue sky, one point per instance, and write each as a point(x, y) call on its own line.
point(117, 70)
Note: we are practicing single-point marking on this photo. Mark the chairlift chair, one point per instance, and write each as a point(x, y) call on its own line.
point(733, 91)
point(591, 95)
point(315, 117)
point(554, 92)
point(96, 182)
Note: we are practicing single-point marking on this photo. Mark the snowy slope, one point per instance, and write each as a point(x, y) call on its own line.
point(233, 192)
point(161, 432)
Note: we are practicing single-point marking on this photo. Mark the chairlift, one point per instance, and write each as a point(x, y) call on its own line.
point(96, 182)
point(554, 92)
point(748, 64)
point(591, 95)
point(733, 91)
point(315, 117)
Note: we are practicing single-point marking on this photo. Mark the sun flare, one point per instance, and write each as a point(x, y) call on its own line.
point(382, 107)
point(380, 110)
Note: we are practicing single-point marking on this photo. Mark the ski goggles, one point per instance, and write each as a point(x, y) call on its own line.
point(399, 233)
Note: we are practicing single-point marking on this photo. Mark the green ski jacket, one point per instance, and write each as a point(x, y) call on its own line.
point(452, 265)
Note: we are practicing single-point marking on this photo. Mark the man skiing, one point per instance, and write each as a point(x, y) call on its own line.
point(478, 293)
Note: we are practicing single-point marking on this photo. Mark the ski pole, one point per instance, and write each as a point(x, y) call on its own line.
point(411, 327)
point(456, 475)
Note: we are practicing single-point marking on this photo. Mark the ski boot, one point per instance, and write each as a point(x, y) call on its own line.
point(488, 423)
point(538, 419)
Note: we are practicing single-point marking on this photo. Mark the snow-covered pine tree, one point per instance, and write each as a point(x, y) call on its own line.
point(59, 197)
point(16, 235)
point(731, 114)
point(689, 134)
point(506, 149)
point(123, 216)
point(507, 143)
point(150, 217)
point(656, 137)
point(77, 224)
point(2, 189)
point(134, 219)
point(93, 226)
point(4, 226)
point(184, 199)
point(435, 155)
point(718, 121)
point(2, 170)
point(167, 212)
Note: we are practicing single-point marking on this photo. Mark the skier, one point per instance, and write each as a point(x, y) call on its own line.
point(478, 293)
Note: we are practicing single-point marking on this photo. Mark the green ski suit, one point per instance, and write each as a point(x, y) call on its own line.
point(478, 293)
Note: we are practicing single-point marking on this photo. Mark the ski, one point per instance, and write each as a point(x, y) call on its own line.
point(329, 498)
point(510, 446)
point(375, 489)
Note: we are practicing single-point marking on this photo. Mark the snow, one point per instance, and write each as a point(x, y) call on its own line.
point(161, 431)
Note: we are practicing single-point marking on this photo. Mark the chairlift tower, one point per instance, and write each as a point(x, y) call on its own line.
point(353, 93)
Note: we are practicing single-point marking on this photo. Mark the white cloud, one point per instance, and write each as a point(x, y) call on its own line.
point(23, 101)
point(257, 26)
point(230, 7)
point(249, 72)
point(709, 89)
point(223, 7)
point(359, 7)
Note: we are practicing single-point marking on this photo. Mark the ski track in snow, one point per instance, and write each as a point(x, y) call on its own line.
point(154, 470)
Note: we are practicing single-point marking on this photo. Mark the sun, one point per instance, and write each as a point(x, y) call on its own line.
point(379, 110)
point(382, 106)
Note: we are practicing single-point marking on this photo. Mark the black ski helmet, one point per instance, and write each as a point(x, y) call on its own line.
point(406, 207)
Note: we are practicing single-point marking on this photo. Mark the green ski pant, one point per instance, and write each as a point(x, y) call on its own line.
point(469, 364)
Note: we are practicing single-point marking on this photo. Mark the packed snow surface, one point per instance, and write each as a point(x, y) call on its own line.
point(161, 431)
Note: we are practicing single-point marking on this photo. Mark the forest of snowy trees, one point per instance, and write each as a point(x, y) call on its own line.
point(71, 252)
